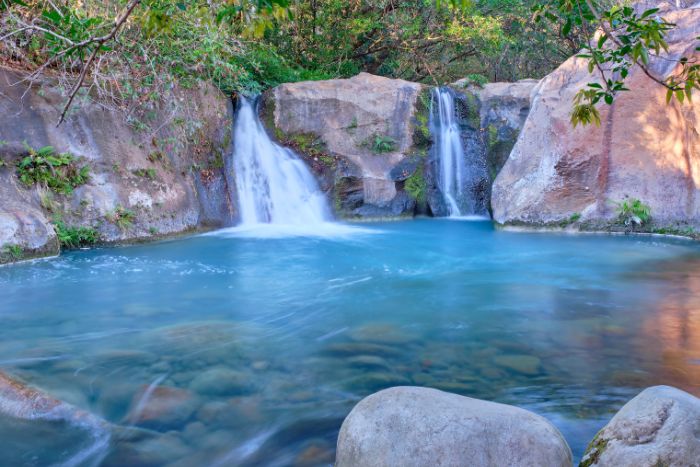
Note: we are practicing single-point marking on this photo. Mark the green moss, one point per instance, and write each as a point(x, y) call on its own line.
point(575, 217)
point(416, 186)
point(594, 450)
point(149, 173)
point(422, 138)
point(11, 252)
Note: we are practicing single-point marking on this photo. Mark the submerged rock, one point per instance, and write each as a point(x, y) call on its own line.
point(524, 364)
point(343, 349)
point(410, 426)
point(57, 431)
point(161, 407)
point(659, 427)
point(221, 381)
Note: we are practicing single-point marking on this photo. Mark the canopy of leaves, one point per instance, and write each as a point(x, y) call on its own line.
point(249, 45)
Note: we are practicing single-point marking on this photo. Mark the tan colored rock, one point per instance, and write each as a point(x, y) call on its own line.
point(643, 149)
point(346, 114)
point(175, 199)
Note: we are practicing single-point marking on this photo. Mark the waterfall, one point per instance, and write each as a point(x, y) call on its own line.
point(461, 176)
point(273, 185)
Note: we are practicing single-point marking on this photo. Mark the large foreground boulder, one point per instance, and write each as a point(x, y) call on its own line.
point(157, 171)
point(643, 149)
point(411, 426)
point(659, 427)
point(360, 135)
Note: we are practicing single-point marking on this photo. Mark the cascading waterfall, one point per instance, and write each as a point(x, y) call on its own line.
point(461, 176)
point(273, 185)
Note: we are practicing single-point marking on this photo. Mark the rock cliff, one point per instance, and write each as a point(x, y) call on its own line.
point(152, 173)
point(644, 149)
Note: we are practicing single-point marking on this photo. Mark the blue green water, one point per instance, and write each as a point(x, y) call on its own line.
point(232, 350)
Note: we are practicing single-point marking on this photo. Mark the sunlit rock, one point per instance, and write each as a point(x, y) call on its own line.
point(643, 149)
point(411, 426)
point(658, 427)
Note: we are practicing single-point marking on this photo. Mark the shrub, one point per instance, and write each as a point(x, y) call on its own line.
point(12, 252)
point(633, 211)
point(74, 237)
point(58, 172)
point(149, 173)
point(415, 185)
point(122, 217)
point(379, 143)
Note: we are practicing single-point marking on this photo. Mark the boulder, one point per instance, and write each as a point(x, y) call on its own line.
point(660, 426)
point(411, 426)
point(57, 431)
point(643, 149)
point(143, 165)
point(365, 125)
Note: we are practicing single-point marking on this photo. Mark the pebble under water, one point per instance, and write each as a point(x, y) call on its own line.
point(228, 349)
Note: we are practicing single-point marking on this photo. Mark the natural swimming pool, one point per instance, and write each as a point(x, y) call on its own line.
point(231, 349)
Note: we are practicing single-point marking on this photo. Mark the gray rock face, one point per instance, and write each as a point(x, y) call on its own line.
point(351, 117)
point(166, 166)
point(659, 427)
point(490, 118)
point(410, 426)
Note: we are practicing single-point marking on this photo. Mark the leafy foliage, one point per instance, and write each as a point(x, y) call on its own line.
point(380, 144)
point(633, 212)
point(12, 252)
point(122, 217)
point(625, 38)
point(75, 237)
point(58, 172)
point(416, 186)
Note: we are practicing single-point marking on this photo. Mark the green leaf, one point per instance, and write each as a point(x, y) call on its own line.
point(567, 27)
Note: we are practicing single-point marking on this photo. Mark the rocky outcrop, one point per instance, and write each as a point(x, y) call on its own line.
point(159, 171)
point(644, 149)
point(490, 118)
point(661, 426)
point(412, 426)
point(364, 137)
point(27, 413)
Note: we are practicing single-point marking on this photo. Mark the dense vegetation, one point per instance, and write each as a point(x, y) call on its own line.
point(248, 46)
point(128, 52)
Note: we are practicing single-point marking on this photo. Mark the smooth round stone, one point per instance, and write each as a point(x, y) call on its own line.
point(659, 427)
point(409, 426)
point(161, 407)
point(221, 381)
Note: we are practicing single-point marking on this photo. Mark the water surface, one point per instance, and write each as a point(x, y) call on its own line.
point(235, 350)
